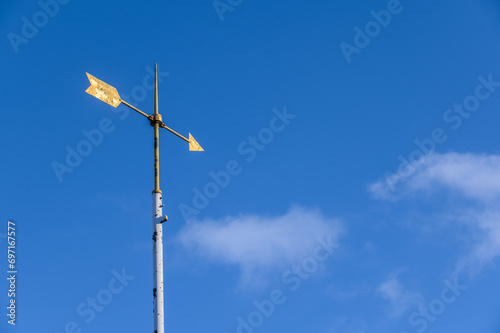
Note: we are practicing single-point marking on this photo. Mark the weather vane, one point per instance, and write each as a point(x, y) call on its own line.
point(109, 94)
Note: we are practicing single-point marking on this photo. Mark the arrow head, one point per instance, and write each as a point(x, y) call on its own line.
point(103, 91)
point(193, 145)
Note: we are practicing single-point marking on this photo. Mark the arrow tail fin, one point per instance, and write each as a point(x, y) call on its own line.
point(103, 91)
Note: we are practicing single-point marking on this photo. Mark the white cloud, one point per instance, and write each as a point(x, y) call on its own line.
point(475, 177)
point(400, 298)
point(487, 237)
point(259, 243)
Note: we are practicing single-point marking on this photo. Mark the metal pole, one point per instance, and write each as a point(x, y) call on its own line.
point(157, 263)
point(158, 219)
point(109, 95)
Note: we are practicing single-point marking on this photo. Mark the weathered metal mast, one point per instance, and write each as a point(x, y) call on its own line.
point(109, 94)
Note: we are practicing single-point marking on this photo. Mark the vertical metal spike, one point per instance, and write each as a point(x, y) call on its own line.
point(157, 121)
point(156, 89)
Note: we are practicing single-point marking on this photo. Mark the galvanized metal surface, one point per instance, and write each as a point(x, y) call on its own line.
point(158, 219)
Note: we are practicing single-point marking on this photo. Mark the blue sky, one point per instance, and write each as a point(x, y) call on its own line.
point(350, 181)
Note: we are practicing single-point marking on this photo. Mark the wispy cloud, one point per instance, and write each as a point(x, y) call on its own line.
point(259, 243)
point(486, 238)
point(400, 298)
point(475, 177)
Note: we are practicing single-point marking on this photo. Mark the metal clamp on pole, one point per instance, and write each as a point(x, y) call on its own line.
point(161, 219)
point(156, 118)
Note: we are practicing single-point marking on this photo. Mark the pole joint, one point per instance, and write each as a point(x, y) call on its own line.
point(155, 119)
